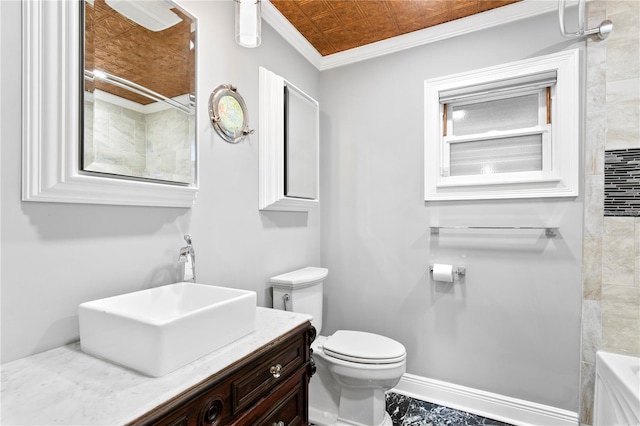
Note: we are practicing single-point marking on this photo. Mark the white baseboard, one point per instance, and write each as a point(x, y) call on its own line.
point(486, 404)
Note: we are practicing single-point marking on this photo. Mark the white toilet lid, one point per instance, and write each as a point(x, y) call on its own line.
point(364, 348)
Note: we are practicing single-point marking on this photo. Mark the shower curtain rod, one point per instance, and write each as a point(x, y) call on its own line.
point(602, 31)
point(135, 88)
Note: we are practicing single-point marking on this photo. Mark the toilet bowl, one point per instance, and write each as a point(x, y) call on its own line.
point(359, 383)
point(354, 369)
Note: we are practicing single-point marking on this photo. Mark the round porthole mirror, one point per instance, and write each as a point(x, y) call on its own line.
point(228, 113)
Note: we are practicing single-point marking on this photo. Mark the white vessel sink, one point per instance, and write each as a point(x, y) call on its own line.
point(161, 329)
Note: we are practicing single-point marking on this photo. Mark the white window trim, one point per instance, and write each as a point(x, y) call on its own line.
point(563, 181)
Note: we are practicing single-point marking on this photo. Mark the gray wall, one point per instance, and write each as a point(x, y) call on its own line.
point(513, 326)
point(55, 256)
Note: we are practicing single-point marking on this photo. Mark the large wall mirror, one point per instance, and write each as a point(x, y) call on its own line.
point(139, 90)
point(109, 102)
point(289, 145)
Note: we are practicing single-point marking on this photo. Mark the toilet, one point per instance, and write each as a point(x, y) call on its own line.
point(354, 368)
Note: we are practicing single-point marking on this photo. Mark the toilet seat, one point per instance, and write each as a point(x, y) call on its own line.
point(363, 348)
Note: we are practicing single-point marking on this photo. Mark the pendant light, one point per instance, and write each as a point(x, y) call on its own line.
point(248, 23)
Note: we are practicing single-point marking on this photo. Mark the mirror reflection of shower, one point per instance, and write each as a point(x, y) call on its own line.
point(139, 90)
point(183, 103)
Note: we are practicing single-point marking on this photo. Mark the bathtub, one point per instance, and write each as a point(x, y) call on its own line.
point(617, 395)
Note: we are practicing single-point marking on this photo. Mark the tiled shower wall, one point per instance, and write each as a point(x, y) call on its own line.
point(611, 263)
point(115, 146)
point(122, 141)
point(170, 136)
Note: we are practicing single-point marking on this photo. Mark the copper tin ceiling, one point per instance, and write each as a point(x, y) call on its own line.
point(333, 26)
point(160, 61)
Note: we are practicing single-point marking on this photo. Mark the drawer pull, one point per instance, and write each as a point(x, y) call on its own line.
point(280, 423)
point(275, 371)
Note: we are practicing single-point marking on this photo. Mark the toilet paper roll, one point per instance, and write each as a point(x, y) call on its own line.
point(443, 273)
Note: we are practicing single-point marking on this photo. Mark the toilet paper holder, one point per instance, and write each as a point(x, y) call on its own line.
point(457, 270)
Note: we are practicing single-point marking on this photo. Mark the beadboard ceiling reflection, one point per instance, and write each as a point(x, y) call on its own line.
point(333, 26)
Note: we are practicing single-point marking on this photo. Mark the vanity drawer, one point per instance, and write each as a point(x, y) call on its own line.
point(286, 406)
point(278, 365)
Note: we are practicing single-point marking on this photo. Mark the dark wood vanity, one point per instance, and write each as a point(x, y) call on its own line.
point(267, 387)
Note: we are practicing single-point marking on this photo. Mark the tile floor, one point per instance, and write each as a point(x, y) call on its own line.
point(406, 411)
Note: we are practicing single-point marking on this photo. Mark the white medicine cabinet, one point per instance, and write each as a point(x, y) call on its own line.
point(510, 131)
point(289, 128)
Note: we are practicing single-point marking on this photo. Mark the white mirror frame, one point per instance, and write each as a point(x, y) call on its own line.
point(51, 99)
point(271, 130)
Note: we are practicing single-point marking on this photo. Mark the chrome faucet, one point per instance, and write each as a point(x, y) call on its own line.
point(188, 257)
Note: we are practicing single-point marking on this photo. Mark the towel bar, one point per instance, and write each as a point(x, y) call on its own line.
point(549, 232)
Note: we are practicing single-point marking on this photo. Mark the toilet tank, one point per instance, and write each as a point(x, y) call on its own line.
point(301, 291)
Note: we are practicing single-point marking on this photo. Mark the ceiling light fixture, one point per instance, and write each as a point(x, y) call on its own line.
point(248, 23)
point(154, 15)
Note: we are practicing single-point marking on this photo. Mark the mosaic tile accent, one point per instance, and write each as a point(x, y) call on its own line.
point(406, 411)
point(622, 182)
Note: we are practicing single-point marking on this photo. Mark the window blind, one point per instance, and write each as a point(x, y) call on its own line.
point(531, 81)
point(505, 155)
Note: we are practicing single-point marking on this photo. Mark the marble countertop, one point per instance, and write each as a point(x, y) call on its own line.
point(65, 386)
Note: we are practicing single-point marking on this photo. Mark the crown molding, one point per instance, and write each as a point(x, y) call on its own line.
point(488, 19)
point(283, 27)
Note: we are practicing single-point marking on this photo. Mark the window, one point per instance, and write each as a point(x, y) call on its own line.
point(504, 132)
